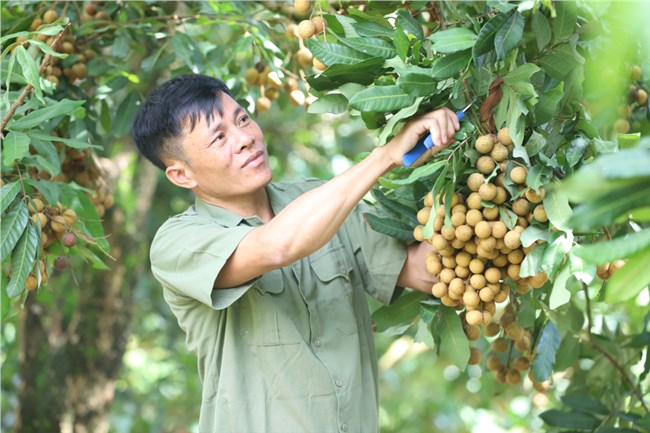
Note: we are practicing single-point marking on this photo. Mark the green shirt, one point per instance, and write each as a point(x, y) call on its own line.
point(292, 350)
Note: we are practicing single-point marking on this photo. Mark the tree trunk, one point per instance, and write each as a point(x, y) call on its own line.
point(69, 361)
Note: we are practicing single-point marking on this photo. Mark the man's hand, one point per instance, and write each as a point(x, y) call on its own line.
point(414, 273)
point(442, 124)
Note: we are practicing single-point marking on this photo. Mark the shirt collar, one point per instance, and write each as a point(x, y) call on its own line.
point(277, 197)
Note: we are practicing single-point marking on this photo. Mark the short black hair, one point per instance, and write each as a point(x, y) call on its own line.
point(175, 104)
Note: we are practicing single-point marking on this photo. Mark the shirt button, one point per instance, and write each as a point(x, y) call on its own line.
point(344, 427)
point(317, 343)
point(339, 383)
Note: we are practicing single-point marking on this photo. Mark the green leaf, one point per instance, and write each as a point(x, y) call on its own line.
point(576, 420)
point(372, 30)
point(521, 73)
point(538, 176)
point(559, 62)
point(585, 404)
point(548, 102)
point(402, 43)
point(397, 208)
point(395, 119)
point(47, 156)
point(629, 141)
point(38, 117)
point(14, 147)
point(453, 341)
point(605, 209)
point(453, 40)
point(628, 281)
point(381, 98)
point(410, 24)
point(425, 170)
point(533, 233)
point(568, 353)
point(417, 84)
point(556, 205)
point(372, 46)
point(617, 248)
point(509, 35)
point(532, 263)
point(564, 23)
point(628, 163)
point(391, 227)
point(541, 29)
point(30, 69)
point(125, 113)
point(92, 222)
point(451, 64)
point(13, 225)
point(549, 342)
point(22, 260)
point(8, 193)
point(70, 142)
point(50, 190)
point(559, 293)
point(331, 54)
point(485, 40)
point(332, 103)
point(399, 315)
point(508, 217)
point(554, 254)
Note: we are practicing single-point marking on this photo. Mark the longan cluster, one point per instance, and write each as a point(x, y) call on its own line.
point(306, 29)
point(271, 85)
point(477, 248)
point(636, 99)
point(606, 270)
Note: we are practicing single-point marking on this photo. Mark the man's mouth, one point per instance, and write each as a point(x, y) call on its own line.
point(254, 160)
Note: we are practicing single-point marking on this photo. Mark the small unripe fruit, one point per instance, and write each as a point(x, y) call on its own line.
point(641, 97)
point(319, 65)
point(252, 76)
point(635, 73)
point(69, 239)
point(263, 104)
point(306, 29)
point(60, 263)
point(302, 6)
point(492, 329)
point(622, 126)
point(474, 356)
point(50, 16)
point(305, 57)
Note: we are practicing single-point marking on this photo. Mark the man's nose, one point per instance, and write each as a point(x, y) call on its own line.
point(243, 140)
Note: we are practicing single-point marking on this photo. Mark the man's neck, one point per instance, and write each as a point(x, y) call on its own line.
point(245, 206)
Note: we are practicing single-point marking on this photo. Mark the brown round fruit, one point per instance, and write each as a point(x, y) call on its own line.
point(622, 126)
point(518, 174)
point(504, 137)
point(50, 16)
point(474, 181)
point(306, 29)
point(60, 263)
point(263, 104)
point(485, 164)
point(484, 144)
point(69, 239)
point(302, 6)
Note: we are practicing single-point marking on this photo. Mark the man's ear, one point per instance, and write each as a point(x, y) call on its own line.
point(180, 174)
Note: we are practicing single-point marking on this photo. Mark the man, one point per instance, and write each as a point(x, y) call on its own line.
point(268, 280)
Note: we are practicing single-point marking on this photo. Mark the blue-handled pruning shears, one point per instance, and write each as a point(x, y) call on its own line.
point(426, 142)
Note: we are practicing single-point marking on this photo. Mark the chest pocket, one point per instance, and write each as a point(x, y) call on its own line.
point(332, 269)
point(270, 308)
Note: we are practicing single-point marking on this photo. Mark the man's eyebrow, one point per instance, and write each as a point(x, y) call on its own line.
point(238, 111)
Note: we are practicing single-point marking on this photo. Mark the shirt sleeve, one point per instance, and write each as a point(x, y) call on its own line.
point(188, 253)
point(380, 257)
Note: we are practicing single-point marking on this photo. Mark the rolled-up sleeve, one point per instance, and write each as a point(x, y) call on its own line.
point(187, 255)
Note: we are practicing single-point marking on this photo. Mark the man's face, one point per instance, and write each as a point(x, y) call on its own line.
point(227, 159)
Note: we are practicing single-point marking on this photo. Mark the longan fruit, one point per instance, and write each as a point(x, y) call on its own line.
point(461, 271)
point(476, 266)
point(423, 215)
point(463, 259)
point(61, 262)
point(514, 330)
point(522, 289)
point(499, 152)
point(484, 144)
point(457, 287)
point(492, 275)
point(485, 164)
point(473, 332)
point(319, 24)
point(522, 222)
point(537, 281)
point(434, 267)
point(641, 97)
point(487, 191)
point(494, 362)
point(306, 29)
point(488, 244)
point(603, 271)
point(470, 247)
point(521, 206)
point(499, 229)
point(458, 219)
point(474, 181)
point(80, 70)
point(491, 213)
point(459, 208)
point(417, 234)
point(69, 239)
point(464, 233)
point(50, 16)
point(500, 345)
point(477, 281)
point(524, 344)
point(428, 199)
point(501, 260)
point(483, 230)
point(513, 271)
point(474, 356)
point(474, 317)
point(319, 65)
point(439, 290)
point(486, 294)
point(535, 197)
point(473, 217)
point(448, 232)
point(615, 266)
point(471, 298)
point(635, 72)
point(57, 223)
point(516, 256)
point(513, 377)
point(521, 363)
point(263, 104)
point(305, 57)
point(31, 283)
point(504, 137)
point(446, 300)
point(518, 174)
point(438, 222)
point(539, 213)
point(252, 76)
point(487, 318)
point(439, 242)
point(302, 6)
point(622, 126)
point(502, 195)
point(457, 244)
point(447, 275)
point(449, 262)
point(492, 329)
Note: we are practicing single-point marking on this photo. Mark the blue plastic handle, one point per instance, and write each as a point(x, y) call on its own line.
point(424, 143)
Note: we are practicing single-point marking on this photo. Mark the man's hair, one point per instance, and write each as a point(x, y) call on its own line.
point(174, 106)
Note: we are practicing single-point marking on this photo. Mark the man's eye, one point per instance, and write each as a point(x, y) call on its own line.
point(244, 119)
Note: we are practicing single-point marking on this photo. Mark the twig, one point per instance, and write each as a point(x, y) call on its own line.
point(590, 322)
point(21, 99)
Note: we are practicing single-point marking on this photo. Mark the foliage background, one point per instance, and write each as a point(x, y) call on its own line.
point(157, 389)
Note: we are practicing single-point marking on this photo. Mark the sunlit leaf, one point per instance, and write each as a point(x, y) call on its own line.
point(410, 24)
point(382, 98)
point(15, 146)
point(485, 40)
point(614, 249)
point(372, 30)
point(37, 117)
point(398, 316)
point(372, 46)
point(453, 40)
point(628, 281)
point(564, 23)
point(450, 65)
point(556, 205)
point(418, 84)
point(332, 103)
point(605, 209)
point(330, 53)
